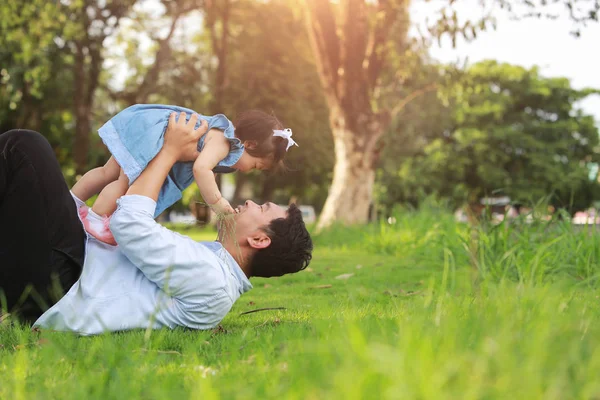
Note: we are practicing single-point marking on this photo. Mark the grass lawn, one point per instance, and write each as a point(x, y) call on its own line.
point(422, 309)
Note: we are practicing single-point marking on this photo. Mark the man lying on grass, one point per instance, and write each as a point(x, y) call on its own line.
point(154, 277)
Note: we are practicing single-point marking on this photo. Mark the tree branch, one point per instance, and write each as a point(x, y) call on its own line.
point(148, 84)
point(321, 27)
point(94, 49)
point(211, 24)
point(262, 309)
point(220, 48)
point(375, 50)
point(354, 47)
point(400, 106)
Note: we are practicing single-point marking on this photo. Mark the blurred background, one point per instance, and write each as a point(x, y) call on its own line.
point(472, 103)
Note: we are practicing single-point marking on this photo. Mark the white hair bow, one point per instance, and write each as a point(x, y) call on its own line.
point(286, 134)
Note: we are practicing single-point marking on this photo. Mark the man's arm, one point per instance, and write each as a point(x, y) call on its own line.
point(170, 260)
point(186, 271)
point(167, 258)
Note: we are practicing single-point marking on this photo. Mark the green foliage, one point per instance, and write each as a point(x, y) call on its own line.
point(448, 22)
point(28, 38)
point(33, 69)
point(38, 42)
point(416, 125)
point(511, 132)
point(270, 65)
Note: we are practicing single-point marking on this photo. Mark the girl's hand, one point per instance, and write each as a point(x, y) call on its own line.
point(222, 207)
point(181, 139)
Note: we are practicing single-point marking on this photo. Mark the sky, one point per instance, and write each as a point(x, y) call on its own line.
point(545, 43)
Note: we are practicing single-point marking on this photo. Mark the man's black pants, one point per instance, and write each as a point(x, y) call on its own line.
point(42, 241)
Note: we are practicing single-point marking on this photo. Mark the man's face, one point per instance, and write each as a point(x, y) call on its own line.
point(251, 217)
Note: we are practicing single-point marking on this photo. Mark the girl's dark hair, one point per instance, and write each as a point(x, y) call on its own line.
point(258, 126)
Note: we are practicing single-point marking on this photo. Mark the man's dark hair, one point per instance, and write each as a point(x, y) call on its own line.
point(290, 250)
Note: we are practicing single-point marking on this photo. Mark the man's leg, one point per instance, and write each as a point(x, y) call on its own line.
point(42, 242)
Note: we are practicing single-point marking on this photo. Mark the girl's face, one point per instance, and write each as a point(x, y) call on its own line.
point(248, 162)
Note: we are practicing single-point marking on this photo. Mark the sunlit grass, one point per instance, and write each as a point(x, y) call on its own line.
point(424, 308)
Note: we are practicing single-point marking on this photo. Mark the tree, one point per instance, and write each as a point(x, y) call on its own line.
point(352, 42)
point(276, 73)
point(512, 132)
point(581, 12)
point(90, 22)
point(422, 120)
point(35, 78)
point(43, 41)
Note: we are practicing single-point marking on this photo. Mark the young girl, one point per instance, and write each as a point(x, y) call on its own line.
point(135, 136)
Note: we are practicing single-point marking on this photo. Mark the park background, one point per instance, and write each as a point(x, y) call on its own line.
point(405, 112)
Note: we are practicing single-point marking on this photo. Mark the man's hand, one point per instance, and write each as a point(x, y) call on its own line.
point(181, 144)
point(181, 139)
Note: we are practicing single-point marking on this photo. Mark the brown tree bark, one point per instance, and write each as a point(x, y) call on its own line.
point(87, 76)
point(81, 112)
point(240, 182)
point(218, 13)
point(350, 55)
point(88, 59)
point(267, 190)
point(350, 194)
point(97, 23)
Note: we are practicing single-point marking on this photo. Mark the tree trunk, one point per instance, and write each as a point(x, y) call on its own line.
point(267, 191)
point(220, 48)
point(82, 138)
point(351, 191)
point(81, 111)
point(240, 182)
point(349, 56)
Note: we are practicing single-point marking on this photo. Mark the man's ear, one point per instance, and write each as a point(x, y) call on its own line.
point(250, 144)
point(259, 240)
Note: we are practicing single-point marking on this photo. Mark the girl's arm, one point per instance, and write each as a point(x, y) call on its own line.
point(216, 147)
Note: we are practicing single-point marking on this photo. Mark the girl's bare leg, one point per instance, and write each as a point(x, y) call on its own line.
point(106, 203)
point(96, 179)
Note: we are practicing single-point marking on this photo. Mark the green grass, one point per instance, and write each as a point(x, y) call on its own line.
point(431, 310)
